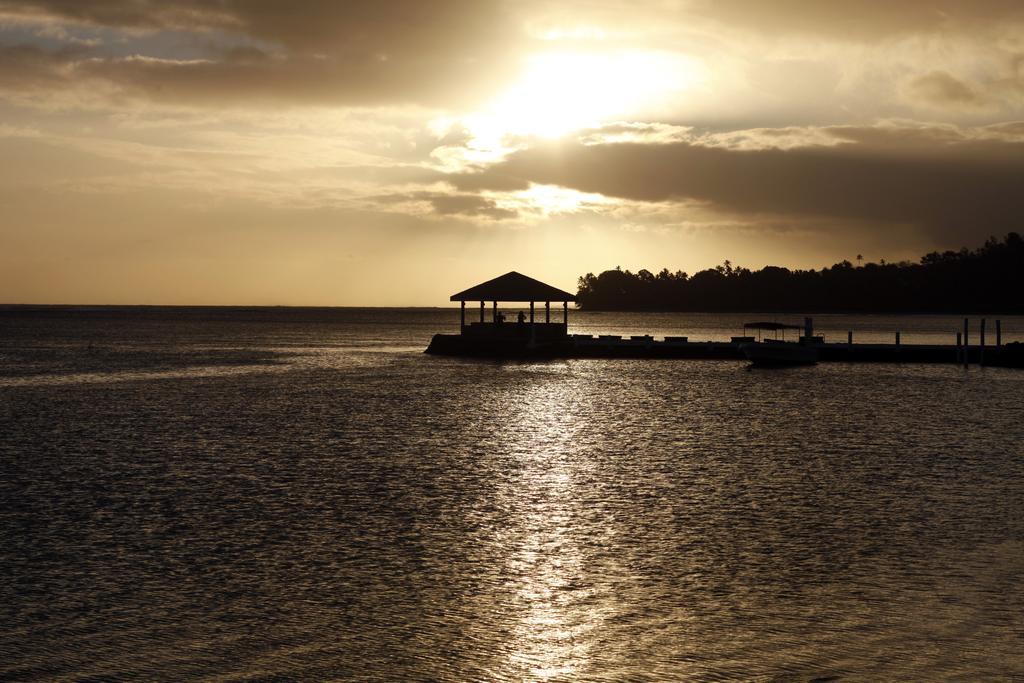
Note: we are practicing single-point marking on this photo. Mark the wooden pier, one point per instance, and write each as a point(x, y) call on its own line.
point(585, 346)
point(497, 338)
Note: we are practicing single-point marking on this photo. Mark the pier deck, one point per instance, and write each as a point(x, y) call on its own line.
point(610, 346)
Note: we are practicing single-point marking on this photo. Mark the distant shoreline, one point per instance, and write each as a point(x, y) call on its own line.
point(44, 307)
point(86, 307)
point(801, 312)
point(988, 279)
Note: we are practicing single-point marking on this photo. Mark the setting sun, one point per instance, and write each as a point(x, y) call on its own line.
point(561, 92)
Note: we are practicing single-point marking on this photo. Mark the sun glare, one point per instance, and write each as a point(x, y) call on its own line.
point(560, 92)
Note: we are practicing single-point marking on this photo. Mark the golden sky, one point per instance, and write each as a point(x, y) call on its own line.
point(391, 152)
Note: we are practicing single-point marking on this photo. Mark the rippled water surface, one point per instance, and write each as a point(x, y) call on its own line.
point(283, 494)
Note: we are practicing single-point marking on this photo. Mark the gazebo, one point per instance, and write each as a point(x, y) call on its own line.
point(515, 287)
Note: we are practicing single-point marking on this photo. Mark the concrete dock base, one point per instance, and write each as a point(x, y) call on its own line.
point(578, 346)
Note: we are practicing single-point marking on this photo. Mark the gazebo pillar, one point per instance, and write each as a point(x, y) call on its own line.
point(547, 311)
point(462, 317)
point(531, 313)
point(565, 314)
point(495, 318)
point(481, 311)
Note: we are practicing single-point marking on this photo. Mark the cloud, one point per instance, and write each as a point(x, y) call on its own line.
point(941, 89)
point(469, 205)
point(793, 58)
point(949, 181)
point(123, 13)
point(235, 80)
point(354, 26)
point(447, 204)
point(862, 20)
point(355, 52)
point(630, 131)
point(26, 67)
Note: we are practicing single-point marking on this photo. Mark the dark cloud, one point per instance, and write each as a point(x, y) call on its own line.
point(352, 52)
point(447, 204)
point(123, 13)
point(1010, 128)
point(25, 67)
point(495, 178)
point(968, 187)
point(353, 26)
point(468, 205)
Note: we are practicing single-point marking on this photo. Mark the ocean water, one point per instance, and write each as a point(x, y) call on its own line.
point(302, 494)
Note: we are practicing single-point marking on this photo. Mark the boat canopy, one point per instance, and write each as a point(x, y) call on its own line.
point(771, 326)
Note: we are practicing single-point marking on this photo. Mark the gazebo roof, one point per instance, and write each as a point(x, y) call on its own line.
point(513, 287)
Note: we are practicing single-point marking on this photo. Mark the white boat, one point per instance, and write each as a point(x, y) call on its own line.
point(771, 352)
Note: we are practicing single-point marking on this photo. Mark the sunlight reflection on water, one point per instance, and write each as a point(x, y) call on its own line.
point(550, 638)
point(244, 508)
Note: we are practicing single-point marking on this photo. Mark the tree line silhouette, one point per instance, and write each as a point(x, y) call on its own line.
point(987, 279)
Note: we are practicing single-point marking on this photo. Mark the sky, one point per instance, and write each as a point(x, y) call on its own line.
point(393, 152)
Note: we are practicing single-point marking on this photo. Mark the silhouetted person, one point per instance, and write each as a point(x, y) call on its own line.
point(521, 318)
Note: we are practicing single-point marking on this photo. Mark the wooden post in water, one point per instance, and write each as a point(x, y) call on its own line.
point(981, 344)
point(966, 344)
point(959, 348)
point(999, 333)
